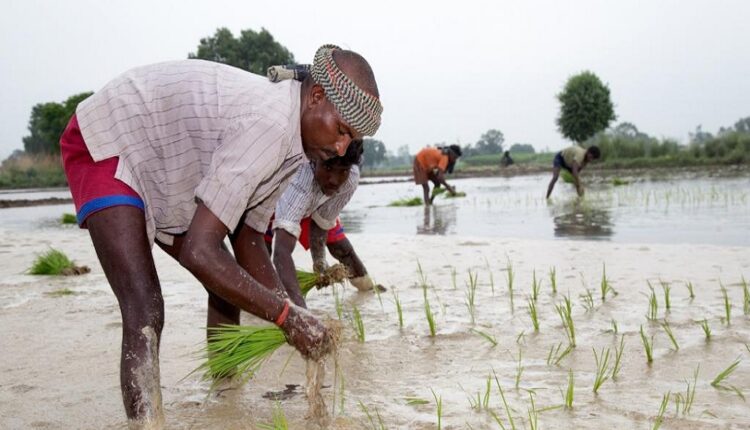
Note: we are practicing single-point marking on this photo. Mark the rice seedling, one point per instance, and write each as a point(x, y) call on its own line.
point(68, 219)
point(335, 274)
point(604, 286)
point(555, 355)
point(662, 408)
point(428, 314)
point(614, 326)
point(668, 330)
point(687, 400)
point(238, 351)
point(535, 287)
point(453, 277)
point(399, 310)
point(653, 304)
point(689, 286)
point(718, 381)
point(510, 277)
point(727, 305)
point(505, 404)
point(521, 338)
point(492, 277)
point(338, 304)
point(519, 368)
point(373, 425)
point(482, 400)
point(455, 195)
point(587, 300)
point(745, 297)
point(279, 419)
point(488, 337)
point(533, 414)
point(648, 346)
point(406, 202)
point(617, 366)
point(439, 410)
point(470, 295)
point(602, 368)
point(566, 316)
point(422, 276)
point(531, 307)
point(667, 290)
point(553, 279)
point(60, 292)
point(416, 401)
point(706, 328)
point(359, 325)
point(52, 262)
point(568, 395)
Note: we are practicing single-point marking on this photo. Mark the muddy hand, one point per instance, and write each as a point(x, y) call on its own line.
point(306, 333)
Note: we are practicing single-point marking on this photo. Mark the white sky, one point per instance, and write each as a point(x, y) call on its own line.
point(447, 71)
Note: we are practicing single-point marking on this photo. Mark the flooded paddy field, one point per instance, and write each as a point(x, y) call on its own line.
point(480, 267)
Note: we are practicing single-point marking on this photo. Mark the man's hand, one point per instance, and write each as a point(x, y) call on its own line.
point(306, 333)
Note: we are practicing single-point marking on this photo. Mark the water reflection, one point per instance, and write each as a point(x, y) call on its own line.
point(437, 219)
point(582, 219)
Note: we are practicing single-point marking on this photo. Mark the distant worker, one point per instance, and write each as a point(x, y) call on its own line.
point(506, 160)
point(573, 159)
point(431, 164)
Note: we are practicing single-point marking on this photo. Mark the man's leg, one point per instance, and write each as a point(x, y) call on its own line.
point(555, 175)
point(426, 193)
point(121, 243)
point(219, 310)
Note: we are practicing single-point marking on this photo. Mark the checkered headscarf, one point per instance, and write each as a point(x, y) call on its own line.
point(358, 108)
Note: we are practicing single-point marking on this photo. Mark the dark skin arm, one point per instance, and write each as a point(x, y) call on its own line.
point(575, 170)
point(318, 237)
point(438, 178)
point(203, 256)
point(284, 263)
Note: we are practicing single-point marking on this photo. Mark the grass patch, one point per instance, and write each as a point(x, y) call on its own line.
point(653, 304)
point(604, 286)
point(52, 262)
point(68, 219)
point(428, 313)
point(533, 314)
point(488, 337)
point(569, 392)
point(617, 366)
point(662, 409)
point(718, 381)
point(555, 355)
point(667, 290)
point(668, 331)
point(685, 402)
point(565, 311)
point(406, 202)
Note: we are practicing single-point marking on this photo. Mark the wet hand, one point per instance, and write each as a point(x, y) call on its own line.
point(306, 333)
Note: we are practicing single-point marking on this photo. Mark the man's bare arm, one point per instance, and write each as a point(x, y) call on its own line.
point(285, 267)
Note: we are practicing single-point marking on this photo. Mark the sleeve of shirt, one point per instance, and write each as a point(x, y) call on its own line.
point(295, 203)
point(248, 155)
point(325, 215)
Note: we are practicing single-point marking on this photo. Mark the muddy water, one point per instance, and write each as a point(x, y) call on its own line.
point(59, 361)
point(678, 208)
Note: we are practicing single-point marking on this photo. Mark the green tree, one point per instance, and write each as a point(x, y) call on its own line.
point(47, 123)
point(522, 148)
point(491, 142)
point(252, 51)
point(585, 107)
point(374, 153)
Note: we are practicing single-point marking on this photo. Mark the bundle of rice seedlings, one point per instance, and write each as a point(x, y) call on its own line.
point(335, 274)
point(567, 177)
point(437, 191)
point(455, 195)
point(55, 262)
point(414, 201)
point(68, 219)
point(237, 352)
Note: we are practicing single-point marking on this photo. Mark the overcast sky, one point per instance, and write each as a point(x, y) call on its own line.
point(447, 71)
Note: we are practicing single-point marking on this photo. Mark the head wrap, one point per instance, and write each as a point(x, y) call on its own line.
point(359, 109)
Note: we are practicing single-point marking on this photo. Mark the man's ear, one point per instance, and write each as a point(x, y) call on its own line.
point(317, 95)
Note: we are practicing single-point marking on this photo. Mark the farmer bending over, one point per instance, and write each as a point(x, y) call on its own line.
point(185, 153)
point(573, 159)
point(431, 164)
point(308, 212)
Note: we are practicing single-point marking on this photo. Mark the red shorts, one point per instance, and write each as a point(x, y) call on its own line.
point(336, 234)
point(92, 184)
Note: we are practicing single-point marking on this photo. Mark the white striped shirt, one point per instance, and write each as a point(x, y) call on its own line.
point(197, 129)
point(304, 198)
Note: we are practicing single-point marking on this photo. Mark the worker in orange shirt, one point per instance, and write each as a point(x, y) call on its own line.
point(431, 164)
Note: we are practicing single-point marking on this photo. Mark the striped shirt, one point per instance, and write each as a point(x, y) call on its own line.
point(197, 130)
point(304, 198)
